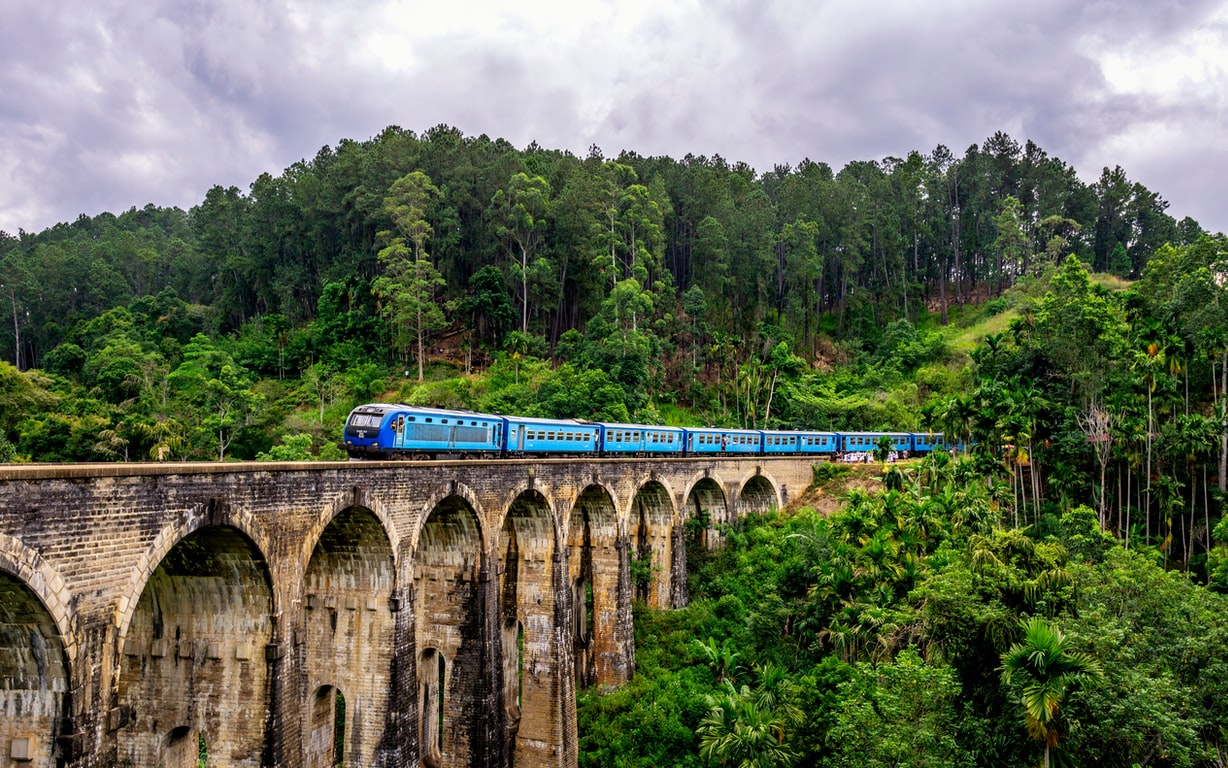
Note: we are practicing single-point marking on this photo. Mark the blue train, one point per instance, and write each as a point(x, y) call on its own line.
point(384, 431)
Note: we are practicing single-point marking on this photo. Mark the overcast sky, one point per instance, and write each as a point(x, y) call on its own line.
point(110, 104)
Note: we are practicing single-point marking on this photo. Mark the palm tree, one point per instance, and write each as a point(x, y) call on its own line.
point(721, 658)
point(737, 732)
point(1046, 669)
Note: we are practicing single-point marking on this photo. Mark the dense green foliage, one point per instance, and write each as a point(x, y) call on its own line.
point(935, 291)
point(896, 633)
point(650, 289)
point(688, 290)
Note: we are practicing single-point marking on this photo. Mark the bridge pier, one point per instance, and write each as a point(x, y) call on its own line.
point(381, 613)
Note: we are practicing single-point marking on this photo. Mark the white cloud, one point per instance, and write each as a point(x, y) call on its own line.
point(115, 104)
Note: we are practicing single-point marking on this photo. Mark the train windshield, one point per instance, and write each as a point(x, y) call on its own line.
point(365, 420)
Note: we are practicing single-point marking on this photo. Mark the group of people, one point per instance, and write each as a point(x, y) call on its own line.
point(867, 457)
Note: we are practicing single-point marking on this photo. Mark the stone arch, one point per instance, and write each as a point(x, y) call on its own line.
point(705, 503)
point(455, 491)
point(598, 571)
point(215, 512)
point(451, 594)
point(757, 495)
point(651, 532)
point(324, 728)
point(348, 630)
point(356, 497)
point(527, 548)
point(46, 583)
point(34, 671)
point(198, 650)
point(180, 748)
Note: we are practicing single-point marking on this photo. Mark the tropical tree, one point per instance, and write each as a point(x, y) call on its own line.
point(1045, 668)
point(739, 731)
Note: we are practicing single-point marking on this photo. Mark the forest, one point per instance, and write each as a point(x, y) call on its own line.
point(1072, 337)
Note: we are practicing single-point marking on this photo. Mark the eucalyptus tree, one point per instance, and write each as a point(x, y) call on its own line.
point(524, 208)
point(409, 281)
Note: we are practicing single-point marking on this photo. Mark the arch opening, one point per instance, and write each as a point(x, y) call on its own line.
point(194, 654)
point(527, 547)
point(34, 675)
point(652, 514)
point(594, 563)
point(449, 624)
point(432, 720)
point(704, 512)
point(348, 628)
point(757, 497)
point(326, 728)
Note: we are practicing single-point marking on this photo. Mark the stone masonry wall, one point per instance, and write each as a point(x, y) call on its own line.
point(145, 608)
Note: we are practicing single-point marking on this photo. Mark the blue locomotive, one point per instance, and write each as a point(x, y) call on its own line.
point(388, 431)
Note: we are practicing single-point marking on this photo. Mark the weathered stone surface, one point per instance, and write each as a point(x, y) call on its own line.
point(411, 613)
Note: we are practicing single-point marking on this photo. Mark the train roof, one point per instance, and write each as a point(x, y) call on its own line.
point(800, 432)
point(725, 430)
point(454, 412)
point(538, 420)
point(615, 425)
point(867, 434)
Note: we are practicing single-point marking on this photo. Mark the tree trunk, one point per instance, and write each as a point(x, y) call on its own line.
point(1223, 434)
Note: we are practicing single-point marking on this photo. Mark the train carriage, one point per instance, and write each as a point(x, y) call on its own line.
point(780, 443)
point(926, 442)
point(865, 442)
point(817, 442)
point(640, 439)
point(709, 440)
point(533, 436)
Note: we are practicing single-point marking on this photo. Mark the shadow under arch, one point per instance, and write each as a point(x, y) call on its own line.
point(599, 580)
point(35, 673)
point(355, 498)
point(529, 628)
point(215, 512)
point(348, 630)
point(45, 582)
point(651, 531)
point(196, 653)
point(757, 495)
point(451, 592)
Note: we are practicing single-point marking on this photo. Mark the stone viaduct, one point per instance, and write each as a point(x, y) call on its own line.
point(360, 613)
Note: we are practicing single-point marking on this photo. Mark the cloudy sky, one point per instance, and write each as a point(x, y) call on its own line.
point(113, 103)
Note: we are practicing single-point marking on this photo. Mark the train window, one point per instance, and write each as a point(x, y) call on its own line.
point(443, 421)
point(413, 418)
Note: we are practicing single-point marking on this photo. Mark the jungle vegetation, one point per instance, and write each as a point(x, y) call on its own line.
point(1051, 593)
